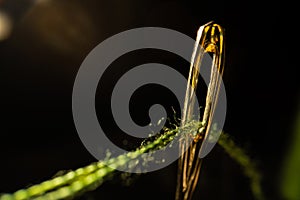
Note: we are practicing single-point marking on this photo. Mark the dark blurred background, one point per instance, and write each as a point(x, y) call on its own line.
point(43, 43)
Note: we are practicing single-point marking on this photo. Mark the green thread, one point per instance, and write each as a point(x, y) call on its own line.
point(74, 183)
point(248, 166)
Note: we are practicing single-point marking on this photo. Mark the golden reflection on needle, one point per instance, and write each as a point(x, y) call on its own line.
point(210, 39)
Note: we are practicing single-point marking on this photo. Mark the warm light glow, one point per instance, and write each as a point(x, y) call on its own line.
point(5, 26)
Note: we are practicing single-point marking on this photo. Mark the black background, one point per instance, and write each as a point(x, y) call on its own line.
point(40, 59)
